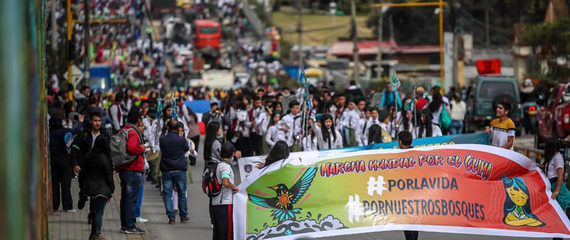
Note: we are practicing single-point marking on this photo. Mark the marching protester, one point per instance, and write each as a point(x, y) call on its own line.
point(98, 184)
point(279, 152)
point(375, 134)
point(502, 129)
point(173, 166)
point(327, 136)
point(389, 96)
point(458, 111)
point(405, 140)
point(222, 205)
point(553, 166)
point(310, 142)
point(273, 134)
point(61, 164)
point(290, 124)
point(116, 113)
point(363, 127)
point(426, 127)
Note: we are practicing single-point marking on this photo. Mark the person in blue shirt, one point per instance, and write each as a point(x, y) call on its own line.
point(388, 96)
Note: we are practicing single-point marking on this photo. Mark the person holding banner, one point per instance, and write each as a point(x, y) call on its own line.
point(554, 169)
point(405, 140)
point(223, 203)
point(502, 129)
point(279, 152)
point(328, 137)
point(426, 128)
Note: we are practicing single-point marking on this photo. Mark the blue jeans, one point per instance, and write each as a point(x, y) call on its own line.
point(139, 202)
point(456, 127)
point(169, 180)
point(130, 188)
point(99, 209)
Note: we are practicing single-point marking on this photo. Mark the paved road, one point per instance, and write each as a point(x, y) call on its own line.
point(199, 226)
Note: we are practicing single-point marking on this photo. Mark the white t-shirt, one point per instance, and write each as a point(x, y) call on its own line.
point(556, 163)
point(226, 195)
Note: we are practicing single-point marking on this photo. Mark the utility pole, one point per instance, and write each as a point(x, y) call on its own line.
point(487, 28)
point(301, 67)
point(86, 25)
point(391, 25)
point(379, 56)
point(69, 49)
point(355, 44)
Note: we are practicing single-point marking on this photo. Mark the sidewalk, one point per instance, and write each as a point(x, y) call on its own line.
point(73, 226)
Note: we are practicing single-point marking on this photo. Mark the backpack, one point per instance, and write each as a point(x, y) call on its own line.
point(119, 152)
point(68, 140)
point(444, 119)
point(210, 184)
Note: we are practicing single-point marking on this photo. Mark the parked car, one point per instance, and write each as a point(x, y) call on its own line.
point(484, 94)
point(554, 115)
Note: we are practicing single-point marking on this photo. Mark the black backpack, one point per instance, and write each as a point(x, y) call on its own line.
point(210, 184)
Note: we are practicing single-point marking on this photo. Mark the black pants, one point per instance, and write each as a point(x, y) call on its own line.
point(256, 145)
point(223, 222)
point(411, 235)
point(61, 173)
point(244, 145)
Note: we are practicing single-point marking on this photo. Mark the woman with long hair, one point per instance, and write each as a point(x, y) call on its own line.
point(273, 134)
point(310, 142)
point(279, 152)
point(407, 121)
point(554, 168)
point(374, 134)
point(327, 137)
point(436, 106)
point(212, 144)
point(98, 181)
point(426, 127)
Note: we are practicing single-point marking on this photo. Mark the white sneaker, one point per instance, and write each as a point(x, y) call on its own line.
point(71, 211)
point(141, 220)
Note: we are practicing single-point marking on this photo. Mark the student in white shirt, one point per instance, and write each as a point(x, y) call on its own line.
point(426, 128)
point(327, 137)
point(374, 114)
point(310, 142)
point(273, 134)
point(350, 119)
point(363, 126)
point(290, 124)
point(384, 124)
point(554, 169)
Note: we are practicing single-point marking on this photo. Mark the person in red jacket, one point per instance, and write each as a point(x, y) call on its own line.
point(131, 175)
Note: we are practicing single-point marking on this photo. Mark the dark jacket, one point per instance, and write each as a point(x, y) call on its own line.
point(98, 175)
point(58, 146)
point(173, 148)
point(82, 145)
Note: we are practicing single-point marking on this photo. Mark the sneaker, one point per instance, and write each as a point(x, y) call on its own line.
point(71, 210)
point(141, 220)
point(98, 237)
point(185, 219)
point(134, 230)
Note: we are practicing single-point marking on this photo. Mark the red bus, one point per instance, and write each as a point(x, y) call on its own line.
point(208, 34)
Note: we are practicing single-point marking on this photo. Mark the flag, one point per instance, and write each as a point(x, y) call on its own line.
point(394, 80)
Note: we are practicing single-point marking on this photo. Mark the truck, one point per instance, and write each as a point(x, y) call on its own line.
point(554, 115)
point(484, 93)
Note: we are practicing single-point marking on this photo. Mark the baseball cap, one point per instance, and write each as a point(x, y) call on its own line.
point(214, 101)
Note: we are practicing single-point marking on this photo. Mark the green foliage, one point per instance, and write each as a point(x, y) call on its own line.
point(553, 38)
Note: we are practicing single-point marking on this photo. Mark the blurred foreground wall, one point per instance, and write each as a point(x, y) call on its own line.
point(23, 178)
